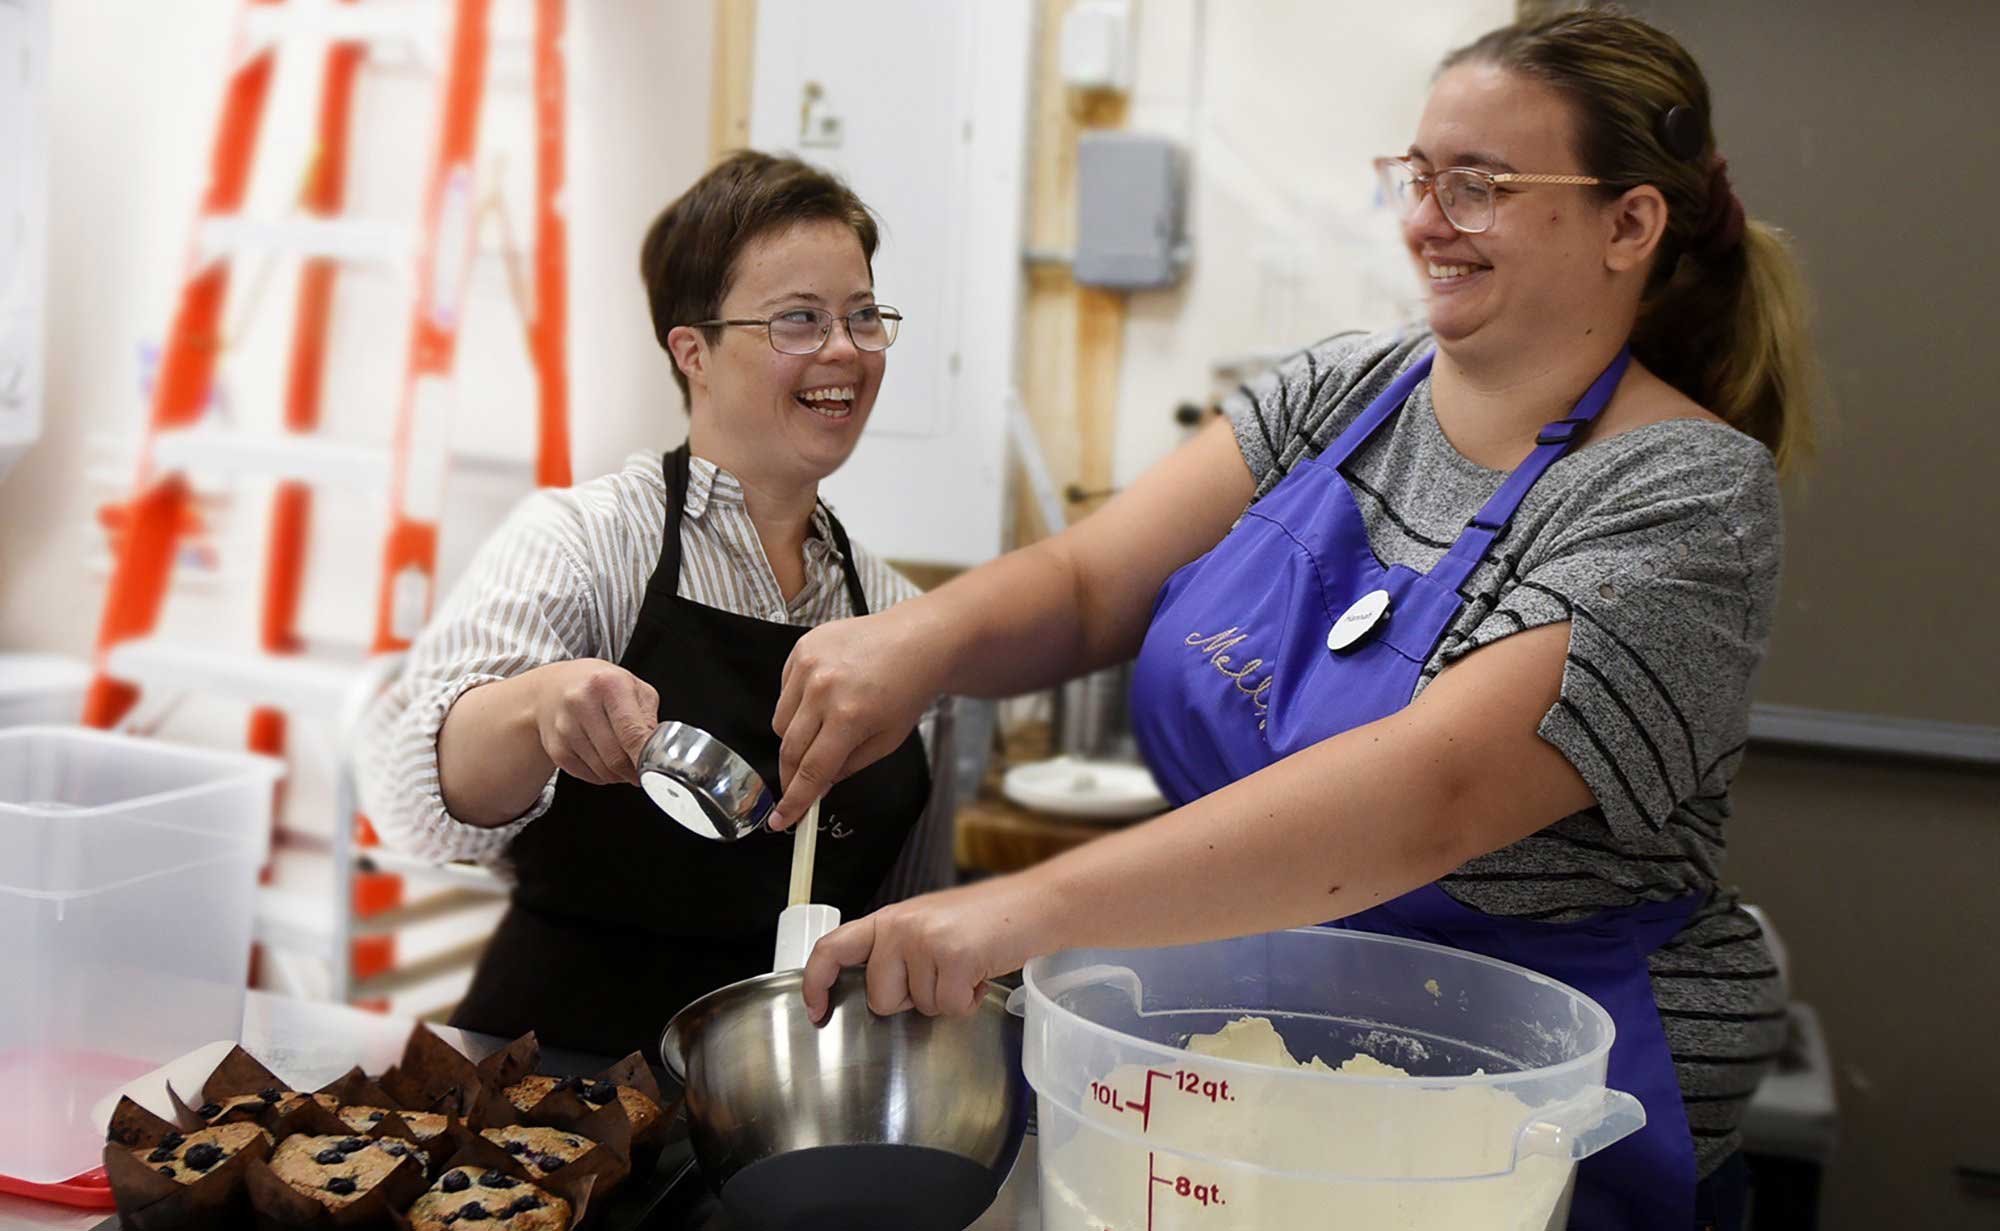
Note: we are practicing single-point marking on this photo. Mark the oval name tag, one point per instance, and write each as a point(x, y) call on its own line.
point(1358, 620)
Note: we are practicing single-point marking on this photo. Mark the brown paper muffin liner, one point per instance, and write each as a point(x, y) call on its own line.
point(483, 1154)
point(277, 1206)
point(149, 1201)
point(433, 1076)
point(356, 1088)
point(511, 1063)
point(609, 1157)
point(632, 1072)
point(240, 1073)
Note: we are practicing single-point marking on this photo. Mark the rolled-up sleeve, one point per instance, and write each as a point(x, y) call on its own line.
point(525, 601)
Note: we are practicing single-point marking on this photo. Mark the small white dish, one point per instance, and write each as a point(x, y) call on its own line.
point(1086, 790)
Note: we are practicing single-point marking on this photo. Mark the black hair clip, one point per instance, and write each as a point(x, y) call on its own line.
point(1680, 131)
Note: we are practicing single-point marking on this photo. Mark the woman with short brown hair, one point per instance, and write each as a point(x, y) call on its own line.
point(673, 589)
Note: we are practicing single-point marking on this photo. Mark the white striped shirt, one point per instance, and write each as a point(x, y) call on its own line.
point(563, 579)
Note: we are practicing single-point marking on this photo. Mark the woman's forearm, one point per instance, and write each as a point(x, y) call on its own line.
point(1005, 628)
point(491, 765)
point(1341, 826)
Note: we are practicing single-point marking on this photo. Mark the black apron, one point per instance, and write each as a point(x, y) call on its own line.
point(620, 917)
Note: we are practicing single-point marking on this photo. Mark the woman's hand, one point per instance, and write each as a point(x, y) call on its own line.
point(853, 691)
point(593, 718)
point(935, 953)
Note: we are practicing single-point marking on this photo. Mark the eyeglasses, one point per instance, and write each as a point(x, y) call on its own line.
point(803, 331)
point(1465, 195)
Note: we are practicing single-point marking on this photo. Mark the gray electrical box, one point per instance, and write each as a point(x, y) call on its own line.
point(1131, 191)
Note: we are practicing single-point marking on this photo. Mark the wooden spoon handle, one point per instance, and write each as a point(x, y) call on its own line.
point(804, 840)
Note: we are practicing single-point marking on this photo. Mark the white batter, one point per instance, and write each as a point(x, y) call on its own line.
point(1380, 1123)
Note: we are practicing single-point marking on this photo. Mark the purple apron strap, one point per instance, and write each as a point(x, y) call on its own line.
point(1380, 411)
point(1551, 443)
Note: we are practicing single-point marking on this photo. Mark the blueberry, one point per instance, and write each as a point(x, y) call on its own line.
point(567, 1083)
point(517, 1147)
point(202, 1156)
point(572, 1143)
point(549, 1162)
point(270, 1096)
point(167, 1171)
point(172, 1141)
point(349, 1145)
point(602, 1092)
point(340, 1185)
point(164, 1154)
point(473, 1212)
point(497, 1179)
point(375, 1117)
point(524, 1204)
point(395, 1149)
point(329, 1157)
point(208, 1111)
point(456, 1181)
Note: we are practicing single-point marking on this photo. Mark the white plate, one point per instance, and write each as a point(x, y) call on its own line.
point(1087, 790)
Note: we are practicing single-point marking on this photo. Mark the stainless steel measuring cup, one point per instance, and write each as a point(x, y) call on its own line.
point(710, 791)
point(699, 781)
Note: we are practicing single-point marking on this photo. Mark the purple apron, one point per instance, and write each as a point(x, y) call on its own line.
point(1236, 673)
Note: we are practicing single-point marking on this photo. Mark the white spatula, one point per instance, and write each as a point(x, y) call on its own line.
point(803, 921)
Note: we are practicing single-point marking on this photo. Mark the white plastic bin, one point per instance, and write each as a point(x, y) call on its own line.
point(1504, 1094)
point(41, 688)
point(128, 874)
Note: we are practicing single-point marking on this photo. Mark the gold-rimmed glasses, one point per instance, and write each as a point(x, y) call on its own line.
point(1465, 194)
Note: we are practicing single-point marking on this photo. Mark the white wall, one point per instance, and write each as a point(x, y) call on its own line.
point(1280, 103)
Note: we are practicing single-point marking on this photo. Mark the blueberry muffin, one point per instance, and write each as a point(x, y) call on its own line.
point(542, 1150)
point(189, 1157)
point(424, 1124)
point(262, 1105)
point(489, 1201)
point(640, 1110)
point(336, 1171)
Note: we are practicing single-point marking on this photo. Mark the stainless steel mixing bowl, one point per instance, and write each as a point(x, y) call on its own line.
point(785, 1114)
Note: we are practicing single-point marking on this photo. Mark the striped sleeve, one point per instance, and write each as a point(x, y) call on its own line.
point(1667, 578)
point(1289, 410)
point(525, 600)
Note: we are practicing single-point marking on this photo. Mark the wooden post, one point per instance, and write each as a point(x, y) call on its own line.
point(729, 92)
point(1072, 336)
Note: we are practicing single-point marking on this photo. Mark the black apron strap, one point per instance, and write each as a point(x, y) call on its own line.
point(855, 598)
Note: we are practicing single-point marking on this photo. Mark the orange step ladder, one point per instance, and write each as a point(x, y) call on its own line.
point(279, 679)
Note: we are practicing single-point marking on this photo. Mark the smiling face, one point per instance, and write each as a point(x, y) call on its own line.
point(1542, 269)
point(771, 418)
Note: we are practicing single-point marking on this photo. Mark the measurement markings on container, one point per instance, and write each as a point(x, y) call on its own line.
point(1184, 1082)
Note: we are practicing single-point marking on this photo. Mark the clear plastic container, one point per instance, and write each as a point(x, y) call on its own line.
point(41, 688)
point(128, 873)
point(1504, 1093)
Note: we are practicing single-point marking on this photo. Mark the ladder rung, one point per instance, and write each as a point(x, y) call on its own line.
point(292, 682)
point(423, 970)
point(469, 876)
point(343, 23)
point(441, 905)
point(363, 241)
point(278, 455)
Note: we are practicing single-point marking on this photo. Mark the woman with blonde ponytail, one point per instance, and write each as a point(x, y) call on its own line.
point(1446, 634)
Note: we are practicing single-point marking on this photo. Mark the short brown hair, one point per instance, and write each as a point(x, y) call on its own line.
point(689, 257)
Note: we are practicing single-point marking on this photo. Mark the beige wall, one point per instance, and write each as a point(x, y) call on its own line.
point(1880, 879)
